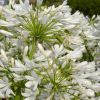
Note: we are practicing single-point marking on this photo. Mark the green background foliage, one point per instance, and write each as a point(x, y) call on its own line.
point(87, 7)
point(52, 2)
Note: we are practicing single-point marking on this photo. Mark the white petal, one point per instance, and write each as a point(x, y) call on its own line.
point(5, 79)
point(41, 49)
point(16, 75)
point(25, 50)
point(6, 33)
point(29, 78)
point(40, 58)
point(39, 2)
point(4, 54)
point(96, 87)
point(29, 84)
point(2, 85)
point(7, 24)
point(19, 64)
point(26, 94)
point(69, 26)
point(30, 98)
point(12, 61)
point(76, 54)
point(44, 19)
point(48, 53)
point(61, 48)
point(1, 95)
point(35, 85)
point(8, 92)
point(89, 93)
point(84, 82)
point(1, 64)
point(17, 69)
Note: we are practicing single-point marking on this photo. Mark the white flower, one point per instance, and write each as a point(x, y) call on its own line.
point(41, 48)
point(22, 8)
point(86, 67)
point(11, 2)
point(58, 50)
point(5, 90)
point(6, 33)
point(19, 67)
point(46, 53)
point(7, 24)
point(43, 19)
point(4, 54)
point(33, 81)
point(12, 61)
point(31, 86)
point(39, 2)
point(25, 51)
point(93, 75)
point(18, 77)
point(39, 57)
point(76, 54)
point(89, 93)
point(84, 82)
point(76, 40)
point(96, 87)
point(1, 8)
point(47, 63)
point(29, 94)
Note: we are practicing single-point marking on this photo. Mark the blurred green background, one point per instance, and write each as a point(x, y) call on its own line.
point(87, 7)
point(52, 2)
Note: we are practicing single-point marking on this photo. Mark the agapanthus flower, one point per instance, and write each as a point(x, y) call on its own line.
point(5, 90)
point(47, 53)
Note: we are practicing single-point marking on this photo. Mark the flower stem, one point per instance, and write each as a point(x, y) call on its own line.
point(32, 51)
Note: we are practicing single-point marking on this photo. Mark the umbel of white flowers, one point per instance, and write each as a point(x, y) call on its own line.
point(48, 54)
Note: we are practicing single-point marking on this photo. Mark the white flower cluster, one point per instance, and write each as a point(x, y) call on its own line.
point(48, 54)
